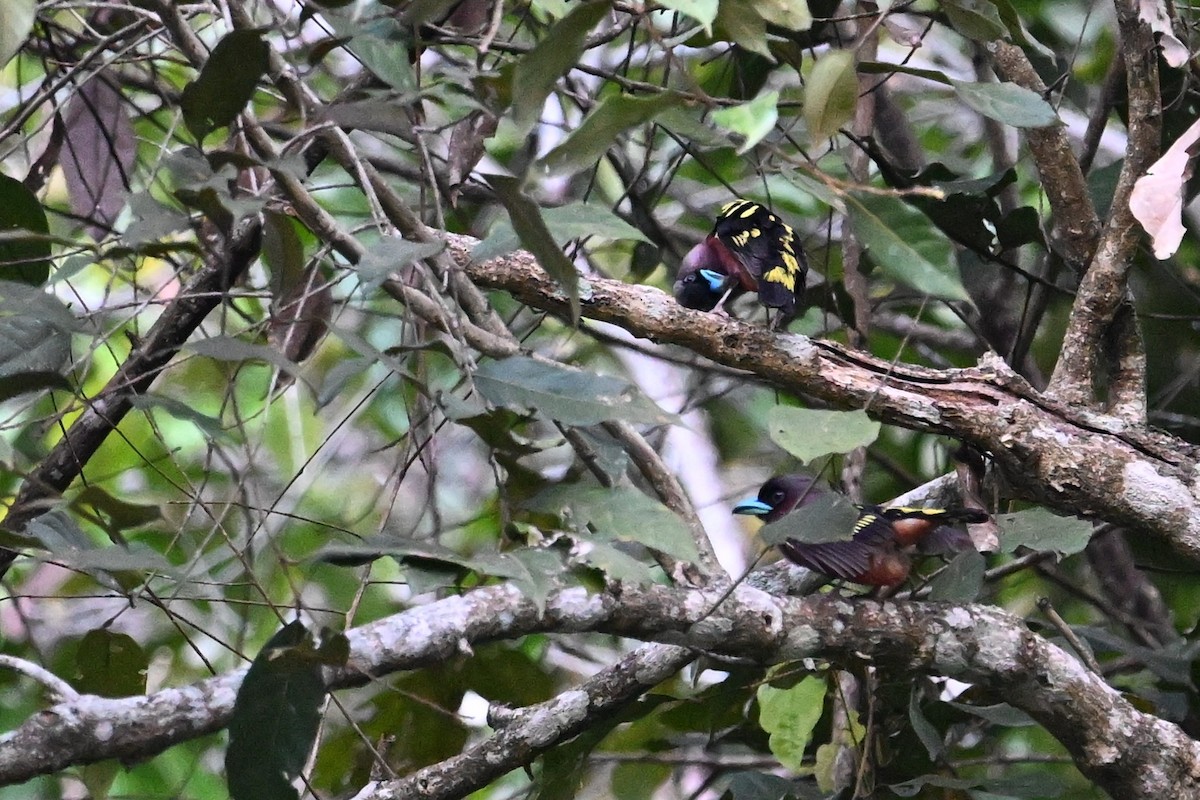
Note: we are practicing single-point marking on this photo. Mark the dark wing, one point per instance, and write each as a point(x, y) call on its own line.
point(846, 560)
point(768, 248)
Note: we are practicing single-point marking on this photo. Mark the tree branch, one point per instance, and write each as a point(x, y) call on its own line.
point(1074, 460)
point(1092, 341)
point(1128, 753)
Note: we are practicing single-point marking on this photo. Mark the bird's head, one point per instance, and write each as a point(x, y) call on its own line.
point(779, 496)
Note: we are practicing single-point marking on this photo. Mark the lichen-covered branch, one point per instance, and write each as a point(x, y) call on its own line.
point(1129, 753)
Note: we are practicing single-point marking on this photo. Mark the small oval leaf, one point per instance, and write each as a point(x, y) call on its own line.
point(226, 84)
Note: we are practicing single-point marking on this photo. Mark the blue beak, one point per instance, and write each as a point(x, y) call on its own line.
point(754, 507)
point(716, 280)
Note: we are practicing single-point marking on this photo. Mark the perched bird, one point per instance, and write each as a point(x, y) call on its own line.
point(749, 250)
point(876, 554)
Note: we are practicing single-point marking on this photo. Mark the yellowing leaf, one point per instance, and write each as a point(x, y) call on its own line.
point(830, 94)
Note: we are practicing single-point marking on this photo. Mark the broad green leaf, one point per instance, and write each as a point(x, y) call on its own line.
point(830, 517)
point(1008, 103)
point(225, 84)
point(417, 551)
point(572, 221)
point(571, 396)
point(603, 127)
point(703, 11)
point(687, 123)
point(210, 426)
point(830, 94)
point(961, 580)
point(277, 714)
point(740, 22)
point(383, 49)
point(35, 333)
point(975, 19)
point(390, 254)
point(24, 252)
point(748, 785)
point(1039, 529)
point(811, 433)
point(230, 348)
point(110, 664)
point(535, 236)
point(540, 68)
point(888, 68)
point(750, 121)
point(999, 714)
point(622, 513)
point(791, 14)
point(923, 728)
point(905, 245)
point(118, 513)
point(137, 558)
point(16, 21)
point(789, 716)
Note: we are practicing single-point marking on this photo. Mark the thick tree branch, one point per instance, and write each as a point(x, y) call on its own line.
point(1129, 753)
point(1073, 460)
point(1089, 345)
point(1076, 225)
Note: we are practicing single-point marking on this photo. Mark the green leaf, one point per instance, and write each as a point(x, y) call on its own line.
point(16, 21)
point(540, 68)
point(923, 728)
point(703, 11)
point(391, 253)
point(975, 19)
point(230, 348)
point(418, 551)
point(830, 94)
point(120, 514)
point(829, 517)
point(747, 785)
point(572, 221)
point(136, 559)
point(24, 256)
point(526, 219)
point(789, 716)
point(209, 426)
point(571, 396)
point(383, 49)
point(603, 127)
point(998, 714)
point(888, 68)
point(961, 581)
point(226, 84)
point(1008, 103)
point(905, 245)
point(622, 513)
point(750, 121)
point(277, 713)
point(35, 334)
point(808, 433)
point(1039, 529)
point(793, 15)
point(110, 664)
point(740, 22)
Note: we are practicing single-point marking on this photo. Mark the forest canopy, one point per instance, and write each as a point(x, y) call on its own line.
point(389, 389)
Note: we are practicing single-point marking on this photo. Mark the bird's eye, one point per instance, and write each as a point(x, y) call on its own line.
point(777, 497)
point(690, 278)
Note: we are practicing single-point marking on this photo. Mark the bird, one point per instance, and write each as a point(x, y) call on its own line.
point(877, 552)
point(750, 249)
